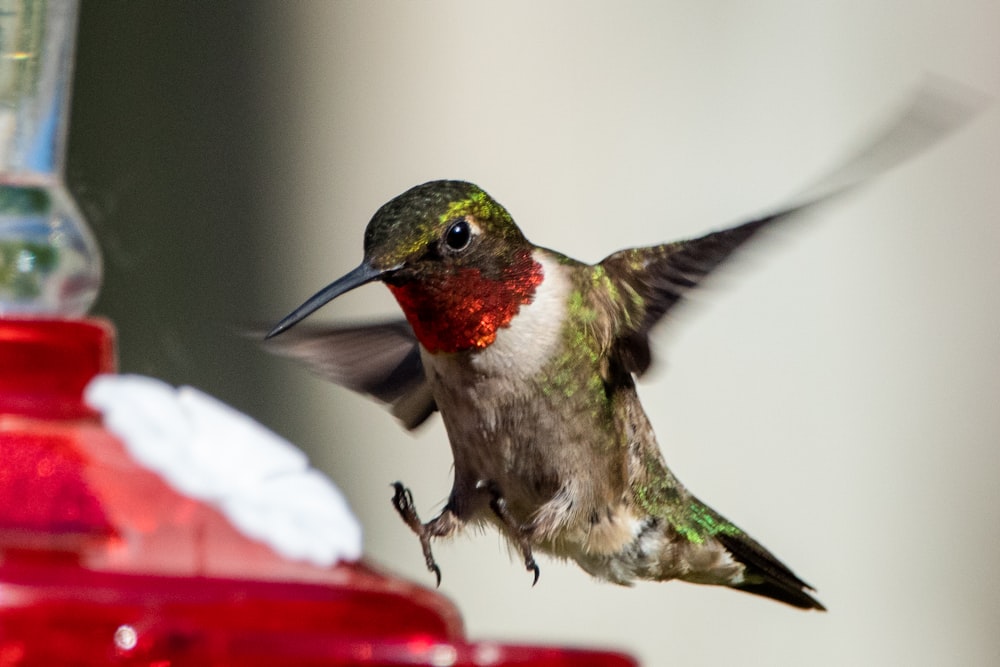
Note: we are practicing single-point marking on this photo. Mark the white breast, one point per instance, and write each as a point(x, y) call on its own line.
point(488, 382)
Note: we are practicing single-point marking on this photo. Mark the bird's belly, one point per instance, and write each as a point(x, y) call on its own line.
point(507, 441)
point(556, 469)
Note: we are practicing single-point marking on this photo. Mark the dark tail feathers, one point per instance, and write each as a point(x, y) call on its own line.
point(766, 575)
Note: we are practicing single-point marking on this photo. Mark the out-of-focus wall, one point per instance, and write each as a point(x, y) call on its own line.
point(835, 393)
point(168, 157)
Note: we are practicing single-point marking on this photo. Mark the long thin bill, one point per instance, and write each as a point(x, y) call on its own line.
point(362, 275)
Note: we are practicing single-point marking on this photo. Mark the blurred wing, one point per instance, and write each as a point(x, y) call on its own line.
point(652, 280)
point(379, 360)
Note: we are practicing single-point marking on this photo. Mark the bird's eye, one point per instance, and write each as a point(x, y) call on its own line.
point(458, 235)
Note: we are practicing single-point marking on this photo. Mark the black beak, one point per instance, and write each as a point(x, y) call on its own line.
point(362, 275)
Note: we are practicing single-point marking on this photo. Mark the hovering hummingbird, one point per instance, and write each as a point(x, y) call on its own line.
point(531, 358)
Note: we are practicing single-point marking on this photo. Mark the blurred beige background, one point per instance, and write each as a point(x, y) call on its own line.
point(835, 393)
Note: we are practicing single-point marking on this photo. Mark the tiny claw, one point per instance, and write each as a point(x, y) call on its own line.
point(437, 574)
point(533, 567)
point(401, 497)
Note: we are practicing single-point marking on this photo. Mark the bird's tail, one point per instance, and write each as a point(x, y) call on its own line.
point(716, 551)
point(765, 575)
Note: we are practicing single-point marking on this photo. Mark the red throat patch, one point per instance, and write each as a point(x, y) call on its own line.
point(463, 310)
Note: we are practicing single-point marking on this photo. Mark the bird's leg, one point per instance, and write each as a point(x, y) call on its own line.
point(518, 532)
point(442, 525)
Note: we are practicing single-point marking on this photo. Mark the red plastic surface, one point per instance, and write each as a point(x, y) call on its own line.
point(102, 563)
point(45, 364)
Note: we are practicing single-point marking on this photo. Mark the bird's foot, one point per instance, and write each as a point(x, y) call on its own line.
point(517, 531)
point(440, 526)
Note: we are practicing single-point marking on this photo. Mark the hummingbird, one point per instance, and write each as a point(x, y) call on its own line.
point(531, 358)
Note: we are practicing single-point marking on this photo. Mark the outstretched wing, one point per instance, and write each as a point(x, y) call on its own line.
point(655, 279)
point(650, 281)
point(380, 360)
